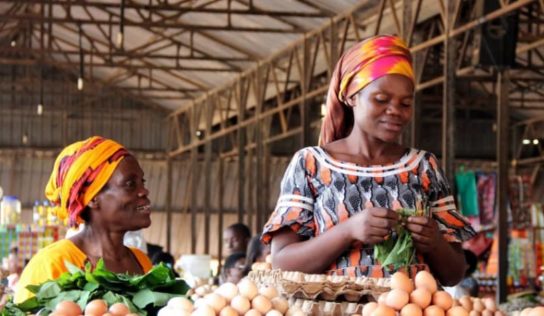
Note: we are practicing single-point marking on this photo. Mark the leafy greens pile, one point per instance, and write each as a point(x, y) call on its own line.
point(142, 294)
point(398, 250)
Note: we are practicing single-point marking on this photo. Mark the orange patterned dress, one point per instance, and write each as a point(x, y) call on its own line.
point(318, 192)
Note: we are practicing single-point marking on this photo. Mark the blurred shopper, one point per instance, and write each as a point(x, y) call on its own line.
point(235, 238)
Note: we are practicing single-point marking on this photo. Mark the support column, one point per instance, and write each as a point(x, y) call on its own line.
point(207, 175)
point(448, 113)
point(169, 171)
point(503, 141)
point(241, 152)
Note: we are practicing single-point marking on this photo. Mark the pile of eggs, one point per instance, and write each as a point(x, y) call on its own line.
point(233, 300)
point(94, 308)
point(422, 297)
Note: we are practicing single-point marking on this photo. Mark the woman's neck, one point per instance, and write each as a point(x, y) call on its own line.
point(98, 243)
point(365, 150)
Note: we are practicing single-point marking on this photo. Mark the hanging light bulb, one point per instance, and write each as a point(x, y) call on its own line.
point(39, 109)
point(120, 39)
point(80, 83)
point(13, 43)
point(25, 139)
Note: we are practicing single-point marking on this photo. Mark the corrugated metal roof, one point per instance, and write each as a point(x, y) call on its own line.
point(188, 45)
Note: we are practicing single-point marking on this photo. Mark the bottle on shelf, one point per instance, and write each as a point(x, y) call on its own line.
point(10, 210)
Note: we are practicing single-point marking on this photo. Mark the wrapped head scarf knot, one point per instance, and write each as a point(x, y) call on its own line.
point(363, 63)
point(80, 171)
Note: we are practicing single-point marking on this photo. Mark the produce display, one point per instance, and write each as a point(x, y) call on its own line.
point(229, 299)
point(83, 290)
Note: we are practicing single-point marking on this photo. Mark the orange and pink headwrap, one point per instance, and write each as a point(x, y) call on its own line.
point(79, 173)
point(365, 62)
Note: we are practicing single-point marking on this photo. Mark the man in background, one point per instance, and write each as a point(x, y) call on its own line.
point(235, 239)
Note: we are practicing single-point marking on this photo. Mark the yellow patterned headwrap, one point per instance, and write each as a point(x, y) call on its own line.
point(79, 173)
point(363, 63)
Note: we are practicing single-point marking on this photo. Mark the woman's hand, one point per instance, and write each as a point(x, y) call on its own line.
point(372, 225)
point(425, 233)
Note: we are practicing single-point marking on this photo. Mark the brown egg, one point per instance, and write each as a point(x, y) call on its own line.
point(401, 281)
point(228, 311)
point(68, 308)
point(489, 304)
point(466, 302)
point(269, 291)
point(96, 307)
point(368, 308)
point(537, 311)
point(487, 313)
point(477, 305)
point(241, 304)
point(253, 312)
point(526, 311)
point(280, 304)
point(247, 288)
point(457, 311)
point(204, 310)
point(273, 312)
point(411, 310)
point(433, 310)
point(500, 313)
point(228, 290)
point(456, 302)
point(474, 313)
point(383, 310)
point(442, 299)
point(215, 301)
point(397, 299)
point(421, 297)
point(426, 280)
point(119, 309)
point(261, 304)
point(382, 297)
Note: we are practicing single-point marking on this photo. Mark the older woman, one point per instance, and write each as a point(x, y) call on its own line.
point(99, 183)
point(341, 198)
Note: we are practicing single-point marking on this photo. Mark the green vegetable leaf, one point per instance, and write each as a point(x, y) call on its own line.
point(48, 290)
point(147, 296)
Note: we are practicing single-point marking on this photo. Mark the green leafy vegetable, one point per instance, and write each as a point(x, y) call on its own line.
point(398, 250)
point(142, 294)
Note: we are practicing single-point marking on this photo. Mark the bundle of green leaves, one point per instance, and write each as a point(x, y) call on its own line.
point(143, 294)
point(397, 250)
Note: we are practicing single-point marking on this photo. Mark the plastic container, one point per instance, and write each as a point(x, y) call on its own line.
point(10, 210)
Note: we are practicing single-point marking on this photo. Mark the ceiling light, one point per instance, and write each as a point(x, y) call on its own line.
point(39, 109)
point(13, 43)
point(80, 83)
point(526, 141)
point(535, 141)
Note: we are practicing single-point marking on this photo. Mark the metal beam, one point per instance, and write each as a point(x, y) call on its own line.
point(146, 24)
